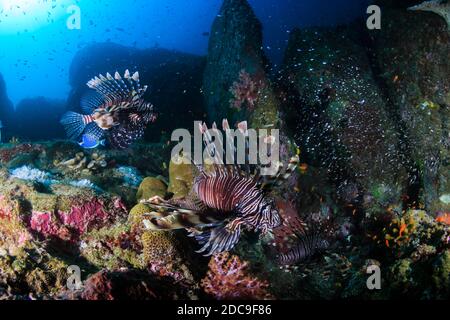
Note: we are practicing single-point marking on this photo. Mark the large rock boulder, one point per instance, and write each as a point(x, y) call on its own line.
point(412, 54)
point(38, 119)
point(6, 111)
point(339, 117)
point(174, 80)
point(235, 82)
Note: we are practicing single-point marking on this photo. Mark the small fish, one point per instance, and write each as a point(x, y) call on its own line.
point(443, 217)
point(91, 142)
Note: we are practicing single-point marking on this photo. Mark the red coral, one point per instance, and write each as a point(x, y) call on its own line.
point(245, 91)
point(228, 279)
point(121, 285)
point(7, 154)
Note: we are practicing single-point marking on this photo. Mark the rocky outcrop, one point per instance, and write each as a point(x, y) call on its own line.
point(412, 54)
point(38, 119)
point(235, 49)
point(6, 111)
point(174, 80)
point(340, 118)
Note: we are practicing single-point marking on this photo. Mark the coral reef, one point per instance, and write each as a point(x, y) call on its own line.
point(245, 92)
point(151, 187)
point(366, 111)
point(235, 45)
point(342, 124)
point(228, 279)
point(411, 56)
point(84, 164)
point(181, 177)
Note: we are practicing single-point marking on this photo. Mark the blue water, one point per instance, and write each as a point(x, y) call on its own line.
point(36, 47)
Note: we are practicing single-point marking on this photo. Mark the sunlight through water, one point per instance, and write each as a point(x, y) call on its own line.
point(28, 15)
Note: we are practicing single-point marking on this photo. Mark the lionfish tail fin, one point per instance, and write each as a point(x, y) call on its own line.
point(74, 124)
point(117, 87)
point(219, 239)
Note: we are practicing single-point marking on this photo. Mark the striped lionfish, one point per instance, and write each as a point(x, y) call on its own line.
point(295, 240)
point(115, 111)
point(224, 200)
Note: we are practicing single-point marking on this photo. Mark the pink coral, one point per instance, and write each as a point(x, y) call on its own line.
point(81, 218)
point(245, 91)
point(228, 279)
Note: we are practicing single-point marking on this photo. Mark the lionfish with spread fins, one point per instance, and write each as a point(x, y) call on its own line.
point(115, 111)
point(225, 200)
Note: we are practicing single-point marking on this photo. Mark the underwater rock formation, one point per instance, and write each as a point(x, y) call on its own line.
point(38, 119)
point(439, 7)
point(412, 58)
point(126, 284)
point(174, 80)
point(339, 118)
point(235, 49)
point(6, 112)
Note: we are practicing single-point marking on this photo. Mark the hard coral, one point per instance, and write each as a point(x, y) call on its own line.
point(162, 256)
point(228, 279)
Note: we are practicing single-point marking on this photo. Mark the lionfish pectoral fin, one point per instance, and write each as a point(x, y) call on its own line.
point(169, 222)
point(74, 124)
point(91, 101)
point(94, 130)
point(219, 239)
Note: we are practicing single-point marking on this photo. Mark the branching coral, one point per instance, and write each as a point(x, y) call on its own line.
point(245, 91)
point(228, 279)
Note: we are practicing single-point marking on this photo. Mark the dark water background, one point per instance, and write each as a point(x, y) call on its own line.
point(36, 47)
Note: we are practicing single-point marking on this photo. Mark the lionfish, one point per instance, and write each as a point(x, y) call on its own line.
point(295, 240)
point(224, 200)
point(115, 111)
